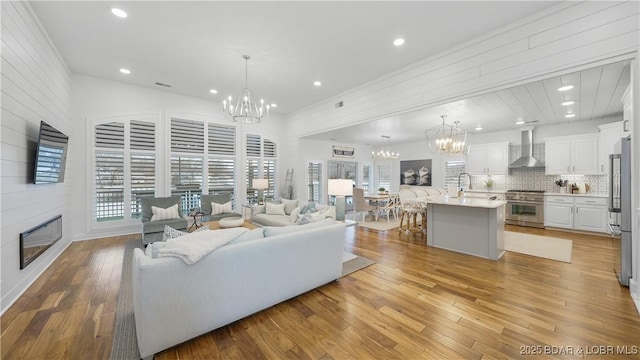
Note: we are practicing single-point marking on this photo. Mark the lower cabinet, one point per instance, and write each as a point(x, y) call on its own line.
point(578, 213)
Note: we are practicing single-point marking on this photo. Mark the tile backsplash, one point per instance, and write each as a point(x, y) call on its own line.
point(535, 178)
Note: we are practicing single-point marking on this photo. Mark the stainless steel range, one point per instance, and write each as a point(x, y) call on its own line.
point(525, 208)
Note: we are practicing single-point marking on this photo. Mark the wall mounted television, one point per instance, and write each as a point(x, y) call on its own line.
point(51, 155)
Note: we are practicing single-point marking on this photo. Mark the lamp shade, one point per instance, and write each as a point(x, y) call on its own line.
point(340, 187)
point(260, 184)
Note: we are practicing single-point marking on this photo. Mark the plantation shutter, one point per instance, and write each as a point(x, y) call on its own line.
point(269, 172)
point(384, 175)
point(221, 175)
point(109, 186)
point(252, 173)
point(110, 135)
point(143, 180)
point(253, 145)
point(269, 149)
point(452, 170)
point(222, 140)
point(187, 136)
point(314, 176)
point(366, 178)
point(142, 135)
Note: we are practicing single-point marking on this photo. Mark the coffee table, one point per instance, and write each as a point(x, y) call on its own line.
point(214, 225)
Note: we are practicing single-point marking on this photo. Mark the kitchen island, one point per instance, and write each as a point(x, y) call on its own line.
point(473, 226)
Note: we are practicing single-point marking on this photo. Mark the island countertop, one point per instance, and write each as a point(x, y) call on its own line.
point(466, 201)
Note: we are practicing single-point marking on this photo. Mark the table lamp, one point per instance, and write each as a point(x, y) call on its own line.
point(260, 185)
point(340, 188)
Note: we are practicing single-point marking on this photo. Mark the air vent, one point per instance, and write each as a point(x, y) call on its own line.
point(161, 84)
point(339, 104)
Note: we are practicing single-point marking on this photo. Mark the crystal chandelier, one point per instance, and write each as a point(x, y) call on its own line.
point(245, 110)
point(385, 154)
point(446, 138)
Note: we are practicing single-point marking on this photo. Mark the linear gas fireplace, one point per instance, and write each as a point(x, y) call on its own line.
point(37, 240)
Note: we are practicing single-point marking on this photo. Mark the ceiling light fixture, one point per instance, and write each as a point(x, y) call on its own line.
point(317, 83)
point(125, 71)
point(565, 88)
point(570, 115)
point(119, 13)
point(446, 138)
point(567, 103)
point(398, 42)
point(385, 154)
point(213, 91)
point(274, 105)
point(478, 128)
point(246, 111)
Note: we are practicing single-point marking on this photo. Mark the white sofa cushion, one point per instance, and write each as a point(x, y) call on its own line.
point(217, 209)
point(164, 214)
point(289, 205)
point(274, 209)
point(279, 230)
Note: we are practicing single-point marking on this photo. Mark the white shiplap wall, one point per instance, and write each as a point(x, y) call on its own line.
point(568, 37)
point(35, 86)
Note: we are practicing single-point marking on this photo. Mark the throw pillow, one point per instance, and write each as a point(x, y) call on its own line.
point(304, 219)
point(164, 214)
point(294, 215)
point(217, 209)
point(152, 249)
point(309, 208)
point(171, 233)
point(274, 209)
point(289, 205)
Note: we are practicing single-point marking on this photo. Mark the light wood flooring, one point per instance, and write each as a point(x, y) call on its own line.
point(415, 302)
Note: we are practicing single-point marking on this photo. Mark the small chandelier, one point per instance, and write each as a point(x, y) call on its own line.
point(446, 138)
point(245, 110)
point(385, 154)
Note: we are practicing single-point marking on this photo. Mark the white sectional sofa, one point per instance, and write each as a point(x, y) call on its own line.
point(291, 212)
point(174, 302)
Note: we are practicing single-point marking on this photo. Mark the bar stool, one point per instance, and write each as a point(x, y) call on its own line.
point(409, 221)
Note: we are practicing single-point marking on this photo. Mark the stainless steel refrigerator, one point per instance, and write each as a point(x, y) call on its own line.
point(620, 205)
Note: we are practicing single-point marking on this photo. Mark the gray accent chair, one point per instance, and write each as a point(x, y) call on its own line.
point(206, 210)
point(152, 230)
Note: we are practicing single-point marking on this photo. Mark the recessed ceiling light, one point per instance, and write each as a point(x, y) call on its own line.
point(570, 115)
point(125, 71)
point(567, 103)
point(478, 128)
point(565, 88)
point(398, 42)
point(274, 105)
point(119, 13)
point(317, 83)
point(519, 122)
point(213, 91)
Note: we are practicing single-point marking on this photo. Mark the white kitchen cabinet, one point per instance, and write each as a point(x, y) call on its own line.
point(609, 135)
point(488, 159)
point(578, 213)
point(558, 211)
point(572, 155)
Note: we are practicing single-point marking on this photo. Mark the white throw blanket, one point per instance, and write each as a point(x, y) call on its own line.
point(192, 247)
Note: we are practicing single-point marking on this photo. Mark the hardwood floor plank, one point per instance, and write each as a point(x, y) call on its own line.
point(415, 302)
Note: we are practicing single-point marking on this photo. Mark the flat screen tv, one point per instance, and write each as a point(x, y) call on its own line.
point(51, 155)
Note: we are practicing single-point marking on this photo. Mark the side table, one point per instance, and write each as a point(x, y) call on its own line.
point(195, 224)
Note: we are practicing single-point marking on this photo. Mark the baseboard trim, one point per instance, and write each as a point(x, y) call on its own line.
point(634, 289)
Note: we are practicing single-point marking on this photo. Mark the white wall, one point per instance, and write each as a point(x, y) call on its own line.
point(93, 97)
point(35, 87)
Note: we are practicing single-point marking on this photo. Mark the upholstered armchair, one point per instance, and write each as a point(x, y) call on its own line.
point(153, 230)
point(222, 208)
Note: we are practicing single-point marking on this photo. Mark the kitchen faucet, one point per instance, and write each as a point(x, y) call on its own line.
point(464, 173)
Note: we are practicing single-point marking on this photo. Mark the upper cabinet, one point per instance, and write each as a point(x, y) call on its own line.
point(488, 159)
point(572, 155)
point(610, 134)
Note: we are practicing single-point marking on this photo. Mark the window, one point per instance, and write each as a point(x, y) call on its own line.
point(314, 179)
point(222, 160)
point(187, 140)
point(124, 166)
point(451, 172)
point(366, 178)
point(261, 163)
point(383, 172)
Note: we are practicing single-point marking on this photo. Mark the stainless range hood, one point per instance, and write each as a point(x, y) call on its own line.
point(527, 160)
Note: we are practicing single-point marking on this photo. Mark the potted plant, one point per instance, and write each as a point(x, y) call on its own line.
point(489, 184)
point(382, 191)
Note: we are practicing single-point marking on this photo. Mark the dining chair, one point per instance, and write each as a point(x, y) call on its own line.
point(360, 204)
point(391, 207)
point(421, 192)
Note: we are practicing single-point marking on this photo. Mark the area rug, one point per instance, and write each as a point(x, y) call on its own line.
point(125, 344)
point(380, 225)
point(540, 246)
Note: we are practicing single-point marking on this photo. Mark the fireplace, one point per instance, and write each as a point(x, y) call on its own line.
point(37, 240)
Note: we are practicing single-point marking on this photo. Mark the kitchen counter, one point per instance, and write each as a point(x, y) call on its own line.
point(486, 191)
point(471, 226)
point(598, 195)
point(467, 201)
